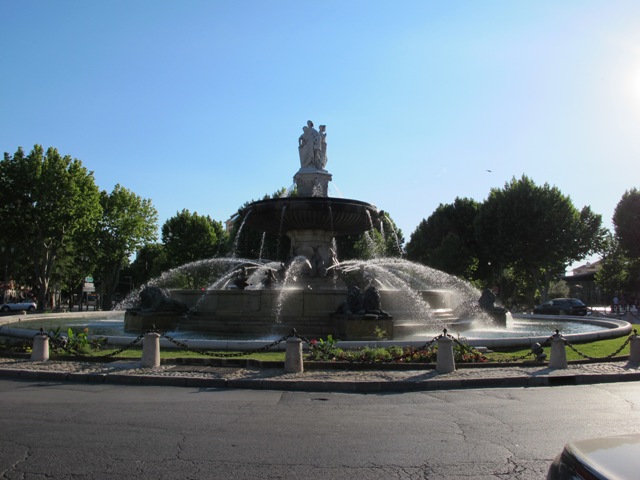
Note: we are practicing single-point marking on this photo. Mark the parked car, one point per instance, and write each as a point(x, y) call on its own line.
point(27, 305)
point(606, 458)
point(561, 306)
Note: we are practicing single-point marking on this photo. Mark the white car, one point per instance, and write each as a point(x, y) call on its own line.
point(26, 305)
point(609, 458)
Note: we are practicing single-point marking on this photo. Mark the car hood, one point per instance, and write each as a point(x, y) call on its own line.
point(613, 457)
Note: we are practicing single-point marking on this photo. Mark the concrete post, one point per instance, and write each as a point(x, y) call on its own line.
point(634, 349)
point(445, 362)
point(558, 353)
point(151, 350)
point(40, 352)
point(293, 356)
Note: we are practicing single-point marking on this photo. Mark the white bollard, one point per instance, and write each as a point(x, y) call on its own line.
point(40, 352)
point(634, 349)
point(445, 363)
point(558, 353)
point(293, 356)
point(151, 350)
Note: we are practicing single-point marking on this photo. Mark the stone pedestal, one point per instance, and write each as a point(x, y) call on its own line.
point(445, 362)
point(558, 353)
point(312, 182)
point(634, 349)
point(151, 350)
point(293, 356)
point(40, 352)
point(363, 327)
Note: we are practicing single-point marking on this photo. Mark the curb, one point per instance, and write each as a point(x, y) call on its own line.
point(376, 386)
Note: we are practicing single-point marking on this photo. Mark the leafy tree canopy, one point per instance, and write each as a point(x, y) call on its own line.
point(618, 272)
point(188, 237)
point(48, 202)
point(128, 222)
point(626, 220)
point(536, 231)
point(446, 240)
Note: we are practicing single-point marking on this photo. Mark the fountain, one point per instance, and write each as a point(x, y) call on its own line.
point(239, 301)
point(313, 291)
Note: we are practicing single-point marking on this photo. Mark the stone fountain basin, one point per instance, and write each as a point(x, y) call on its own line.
point(611, 328)
point(339, 216)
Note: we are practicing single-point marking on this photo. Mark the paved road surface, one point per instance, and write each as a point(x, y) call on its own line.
point(86, 431)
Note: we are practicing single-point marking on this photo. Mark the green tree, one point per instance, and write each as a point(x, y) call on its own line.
point(188, 237)
point(48, 202)
point(151, 260)
point(618, 272)
point(536, 231)
point(626, 220)
point(446, 240)
point(128, 222)
point(77, 261)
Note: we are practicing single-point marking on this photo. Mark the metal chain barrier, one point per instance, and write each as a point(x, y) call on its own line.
point(58, 343)
point(315, 347)
point(186, 347)
point(125, 348)
point(607, 357)
point(538, 351)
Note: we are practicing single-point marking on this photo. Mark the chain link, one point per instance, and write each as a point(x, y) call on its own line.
point(126, 347)
point(57, 343)
point(607, 357)
point(184, 346)
point(314, 346)
point(512, 359)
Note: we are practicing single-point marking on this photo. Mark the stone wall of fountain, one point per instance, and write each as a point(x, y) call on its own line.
point(311, 289)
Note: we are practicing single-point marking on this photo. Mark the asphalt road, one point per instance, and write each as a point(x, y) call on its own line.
point(87, 431)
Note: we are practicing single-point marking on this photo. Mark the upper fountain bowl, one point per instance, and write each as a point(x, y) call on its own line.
point(341, 216)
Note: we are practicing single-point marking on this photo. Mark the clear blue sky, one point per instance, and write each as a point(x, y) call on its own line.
point(199, 104)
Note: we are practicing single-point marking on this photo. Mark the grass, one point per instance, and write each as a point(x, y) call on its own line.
point(136, 353)
point(597, 349)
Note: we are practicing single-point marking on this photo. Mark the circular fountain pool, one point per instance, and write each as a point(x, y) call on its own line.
point(522, 330)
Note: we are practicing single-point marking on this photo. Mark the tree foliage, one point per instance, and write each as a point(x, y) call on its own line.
point(151, 260)
point(188, 237)
point(626, 220)
point(536, 231)
point(618, 272)
point(446, 240)
point(128, 222)
point(48, 203)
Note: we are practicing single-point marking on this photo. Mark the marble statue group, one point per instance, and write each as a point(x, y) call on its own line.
point(312, 146)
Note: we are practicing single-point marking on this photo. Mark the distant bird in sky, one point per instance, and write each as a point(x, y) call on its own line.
point(489, 171)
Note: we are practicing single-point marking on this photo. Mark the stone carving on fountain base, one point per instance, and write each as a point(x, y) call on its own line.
point(359, 305)
point(312, 182)
point(157, 310)
point(361, 316)
point(316, 247)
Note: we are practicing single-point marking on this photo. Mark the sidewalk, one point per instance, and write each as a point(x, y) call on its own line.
point(318, 379)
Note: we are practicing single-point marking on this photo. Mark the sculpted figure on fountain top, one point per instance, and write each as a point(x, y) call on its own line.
point(312, 179)
point(312, 147)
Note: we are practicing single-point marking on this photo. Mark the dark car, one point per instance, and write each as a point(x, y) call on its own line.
point(609, 458)
point(561, 306)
